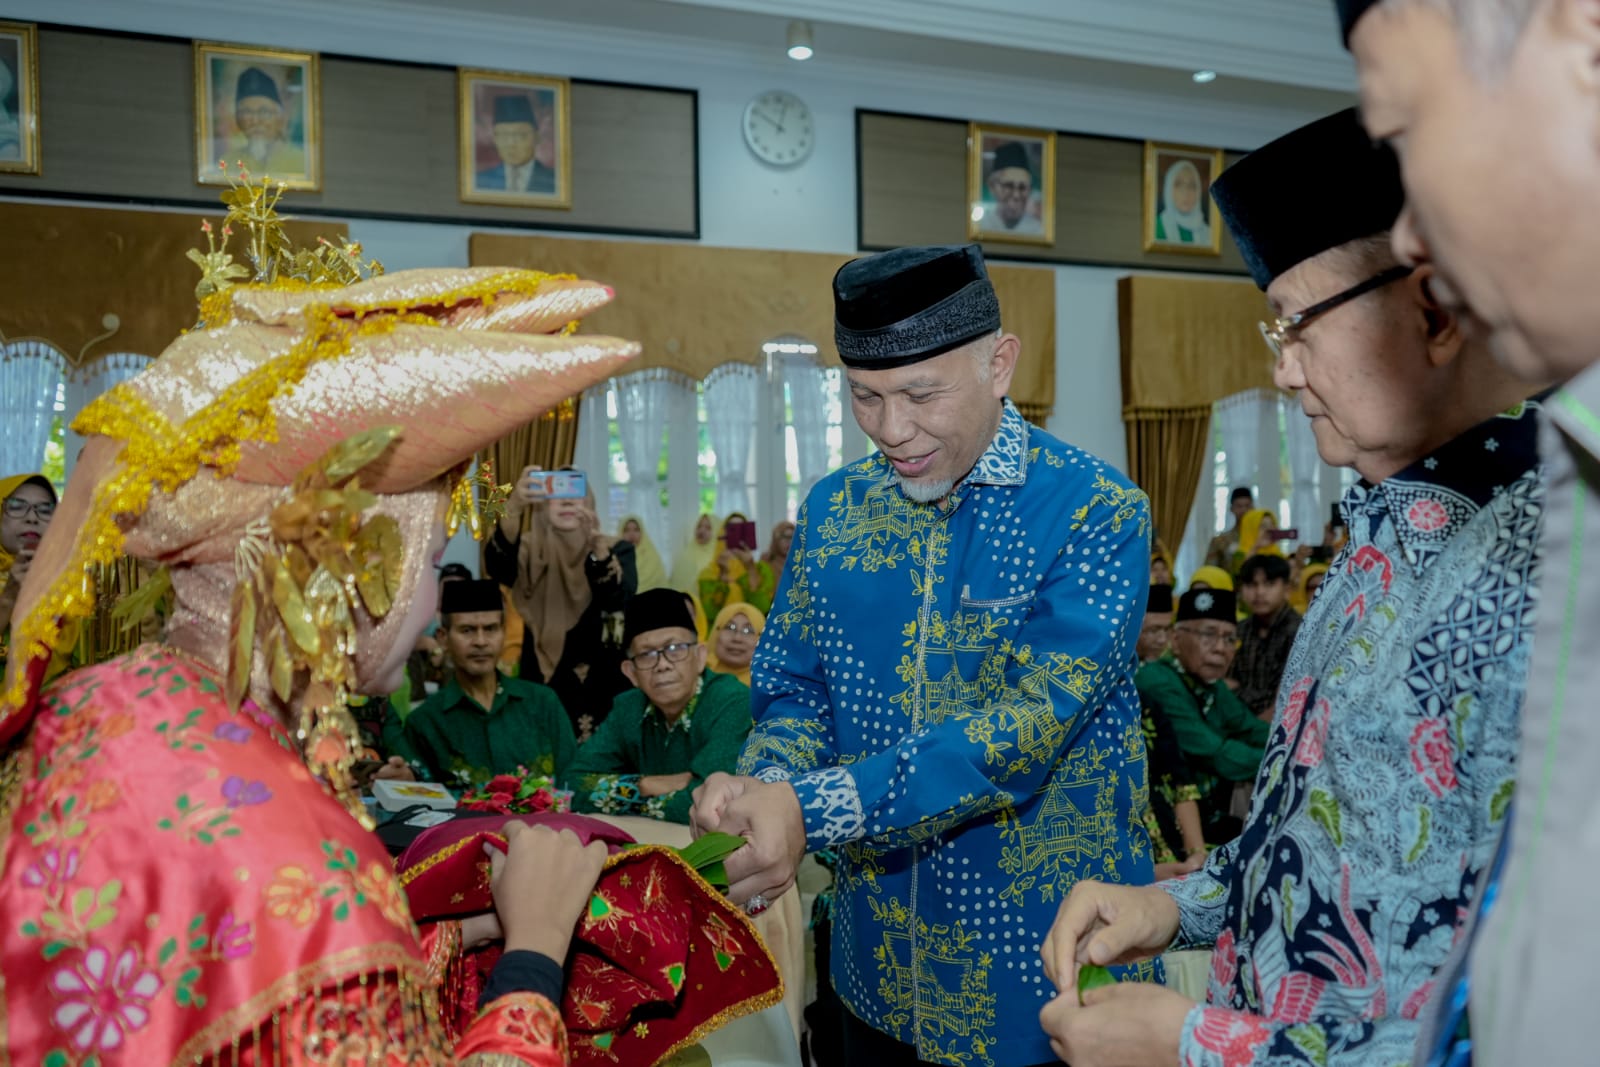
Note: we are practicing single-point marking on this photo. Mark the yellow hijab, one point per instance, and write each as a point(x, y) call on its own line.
point(646, 560)
point(1215, 577)
point(711, 572)
point(693, 557)
point(7, 487)
point(1250, 532)
point(758, 623)
point(1300, 597)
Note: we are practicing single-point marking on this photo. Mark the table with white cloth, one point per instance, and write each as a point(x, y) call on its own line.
point(1188, 971)
point(769, 1038)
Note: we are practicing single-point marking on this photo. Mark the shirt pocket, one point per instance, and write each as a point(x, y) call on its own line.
point(1015, 607)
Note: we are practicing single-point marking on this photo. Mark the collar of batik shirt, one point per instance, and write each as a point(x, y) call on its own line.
point(686, 717)
point(1436, 496)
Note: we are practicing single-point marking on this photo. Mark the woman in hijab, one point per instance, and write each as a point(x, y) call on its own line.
point(1255, 539)
point(30, 503)
point(777, 554)
point(1311, 577)
point(569, 582)
point(735, 576)
point(695, 555)
point(646, 560)
point(733, 640)
point(1161, 568)
point(1182, 220)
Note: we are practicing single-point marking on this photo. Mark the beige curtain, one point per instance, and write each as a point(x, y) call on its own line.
point(1186, 343)
point(695, 308)
point(548, 441)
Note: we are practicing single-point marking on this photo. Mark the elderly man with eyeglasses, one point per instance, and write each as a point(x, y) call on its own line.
point(30, 503)
point(681, 724)
point(1389, 765)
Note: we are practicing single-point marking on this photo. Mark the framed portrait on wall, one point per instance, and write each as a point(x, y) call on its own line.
point(258, 108)
point(1011, 184)
point(19, 98)
point(516, 139)
point(1179, 215)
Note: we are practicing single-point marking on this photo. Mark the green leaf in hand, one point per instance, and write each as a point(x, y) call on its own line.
point(1092, 976)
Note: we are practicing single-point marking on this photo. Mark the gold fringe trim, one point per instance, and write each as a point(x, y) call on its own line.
point(359, 962)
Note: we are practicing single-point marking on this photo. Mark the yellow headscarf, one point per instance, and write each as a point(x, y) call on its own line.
point(1250, 531)
point(758, 623)
point(693, 557)
point(1215, 577)
point(1300, 598)
point(646, 560)
point(736, 569)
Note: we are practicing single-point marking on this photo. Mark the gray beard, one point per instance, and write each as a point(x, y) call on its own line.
point(258, 148)
point(925, 492)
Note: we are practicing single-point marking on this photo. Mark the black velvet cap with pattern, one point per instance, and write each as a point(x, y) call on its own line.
point(1322, 186)
point(911, 304)
point(1218, 605)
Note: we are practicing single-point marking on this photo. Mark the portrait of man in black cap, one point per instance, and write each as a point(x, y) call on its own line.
point(1011, 184)
point(257, 110)
point(513, 133)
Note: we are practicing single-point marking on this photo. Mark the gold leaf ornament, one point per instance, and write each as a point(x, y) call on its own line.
point(292, 609)
point(378, 550)
point(348, 457)
point(241, 642)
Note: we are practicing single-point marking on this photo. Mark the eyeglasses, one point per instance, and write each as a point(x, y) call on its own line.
point(675, 653)
point(1209, 637)
point(17, 508)
point(740, 628)
point(1283, 330)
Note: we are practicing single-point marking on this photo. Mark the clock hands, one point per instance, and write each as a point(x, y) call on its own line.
point(776, 122)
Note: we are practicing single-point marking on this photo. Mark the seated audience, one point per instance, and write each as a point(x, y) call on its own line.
point(569, 582)
point(30, 503)
point(696, 553)
point(1221, 741)
point(1161, 568)
point(1209, 577)
point(1267, 635)
point(1221, 551)
point(664, 738)
point(735, 576)
point(1155, 634)
point(480, 724)
point(652, 573)
point(733, 640)
point(1256, 531)
point(427, 661)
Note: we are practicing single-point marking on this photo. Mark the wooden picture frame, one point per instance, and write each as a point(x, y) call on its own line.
point(1190, 223)
point(19, 101)
point(516, 139)
point(259, 108)
point(1011, 184)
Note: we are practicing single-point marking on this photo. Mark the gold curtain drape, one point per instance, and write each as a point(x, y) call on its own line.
point(1186, 343)
point(695, 308)
point(1166, 451)
point(548, 442)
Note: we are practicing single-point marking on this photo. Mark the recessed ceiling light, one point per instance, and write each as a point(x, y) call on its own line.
point(800, 41)
point(1203, 76)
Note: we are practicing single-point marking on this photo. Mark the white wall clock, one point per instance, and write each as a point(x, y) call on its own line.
point(778, 128)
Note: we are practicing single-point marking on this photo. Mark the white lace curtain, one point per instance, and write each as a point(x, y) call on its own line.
point(1240, 418)
point(30, 375)
point(645, 404)
point(807, 386)
point(86, 383)
point(732, 393)
point(591, 452)
point(1307, 510)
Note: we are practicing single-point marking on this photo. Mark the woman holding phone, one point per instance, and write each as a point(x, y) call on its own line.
point(569, 581)
point(734, 575)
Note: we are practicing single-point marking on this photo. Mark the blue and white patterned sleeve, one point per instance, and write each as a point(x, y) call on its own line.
point(1202, 898)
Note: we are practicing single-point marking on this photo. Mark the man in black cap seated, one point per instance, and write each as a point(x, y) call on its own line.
point(682, 723)
point(516, 139)
point(1155, 635)
point(480, 724)
point(1388, 767)
point(1221, 741)
point(1011, 182)
point(944, 691)
point(260, 141)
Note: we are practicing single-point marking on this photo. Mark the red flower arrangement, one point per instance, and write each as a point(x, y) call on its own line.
point(522, 793)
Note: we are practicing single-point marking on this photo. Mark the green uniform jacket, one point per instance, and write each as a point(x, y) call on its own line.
point(635, 741)
point(460, 745)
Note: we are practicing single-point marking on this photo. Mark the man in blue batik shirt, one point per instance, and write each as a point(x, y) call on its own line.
point(1389, 768)
point(944, 691)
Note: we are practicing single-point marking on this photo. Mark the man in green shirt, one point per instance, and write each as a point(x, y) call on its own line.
point(662, 739)
point(480, 724)
point(1221, 741)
